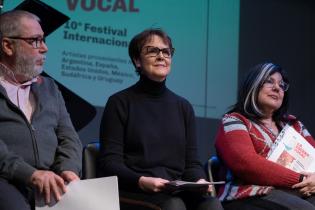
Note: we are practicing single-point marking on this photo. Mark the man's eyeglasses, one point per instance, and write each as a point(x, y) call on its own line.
point(270, 83)
point(35, 42)
point(155, 51)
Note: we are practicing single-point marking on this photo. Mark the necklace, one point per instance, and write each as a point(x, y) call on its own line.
point(274, 133)
point(271, 128)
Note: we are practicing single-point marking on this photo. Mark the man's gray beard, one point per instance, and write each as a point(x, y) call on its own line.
point(26, 66)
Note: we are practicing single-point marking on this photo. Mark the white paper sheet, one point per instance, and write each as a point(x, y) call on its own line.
point(293, 151)
point(90, 194)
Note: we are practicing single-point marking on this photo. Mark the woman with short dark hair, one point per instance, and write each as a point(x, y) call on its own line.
point(148, 133)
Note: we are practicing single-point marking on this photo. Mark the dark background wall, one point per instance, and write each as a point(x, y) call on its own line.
point(282, 31)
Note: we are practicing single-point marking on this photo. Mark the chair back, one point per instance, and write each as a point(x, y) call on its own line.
point(90, 155)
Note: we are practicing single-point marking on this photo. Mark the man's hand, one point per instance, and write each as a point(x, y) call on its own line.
point(69, 176)
point(47, 183)
point(151, 184)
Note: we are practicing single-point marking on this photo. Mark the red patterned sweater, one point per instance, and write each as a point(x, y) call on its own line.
point(243, 146)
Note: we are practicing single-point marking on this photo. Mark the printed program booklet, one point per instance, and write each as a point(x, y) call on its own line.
point(293, 151)
point(178, 185)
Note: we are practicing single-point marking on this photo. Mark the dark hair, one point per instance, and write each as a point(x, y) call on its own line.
point(249, 90)
point(137, 42)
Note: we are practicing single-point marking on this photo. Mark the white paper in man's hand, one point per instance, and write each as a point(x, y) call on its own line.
point(91, 194)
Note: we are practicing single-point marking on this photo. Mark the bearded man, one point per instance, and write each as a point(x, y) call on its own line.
point(39, 148)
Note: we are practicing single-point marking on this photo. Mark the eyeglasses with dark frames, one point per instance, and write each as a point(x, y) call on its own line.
point(270, 83)
point(35, 42)
point(152, 51)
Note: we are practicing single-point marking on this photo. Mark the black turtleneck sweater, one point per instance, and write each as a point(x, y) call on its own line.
point(147, 130)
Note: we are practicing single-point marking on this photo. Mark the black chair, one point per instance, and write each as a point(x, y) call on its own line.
point(90, 155)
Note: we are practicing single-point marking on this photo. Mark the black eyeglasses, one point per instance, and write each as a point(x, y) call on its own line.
point(155, 51)
point(35, 42)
